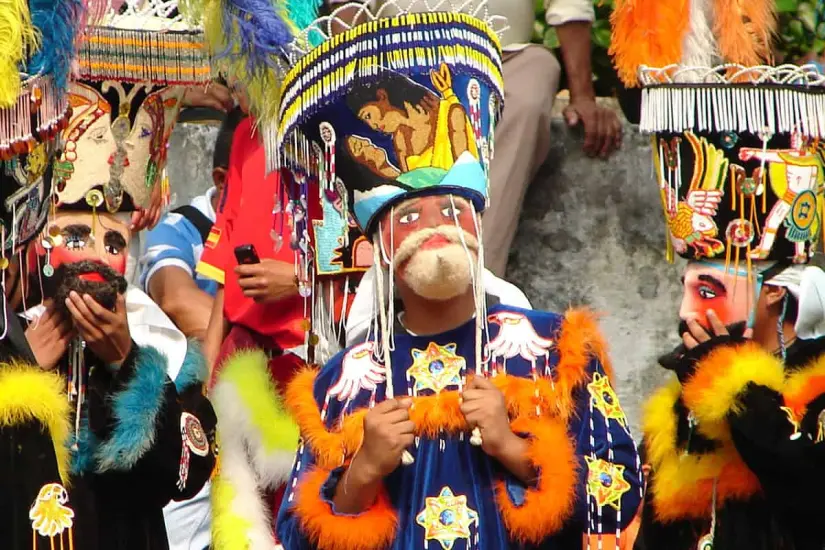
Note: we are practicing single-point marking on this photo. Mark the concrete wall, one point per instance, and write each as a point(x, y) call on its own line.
point(591, 233)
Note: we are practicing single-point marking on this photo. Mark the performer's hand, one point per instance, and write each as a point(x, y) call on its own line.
point(388, 432)
point(267, 281)
point(105, 332)
point(483, 406)
point(602, 128)
point(214, 96)
point(49, 337)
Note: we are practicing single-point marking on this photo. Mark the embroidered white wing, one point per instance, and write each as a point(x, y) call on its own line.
point(704, 202)
point(517, 337)
point(359, 371)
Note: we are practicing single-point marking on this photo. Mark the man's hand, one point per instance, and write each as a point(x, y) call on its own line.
point(214, 96)
point(388, 432)
point(268, 281)
point(49, 337)
point(602, 128)
point(105, 332)
point(483, 406)
point(697, 334)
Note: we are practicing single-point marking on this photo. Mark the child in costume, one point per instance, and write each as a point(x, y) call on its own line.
point(459, 423)
point(735, 440)
point(142, 434)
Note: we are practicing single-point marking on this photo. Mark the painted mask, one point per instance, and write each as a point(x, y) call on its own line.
point(432, 241)
point(708, 285)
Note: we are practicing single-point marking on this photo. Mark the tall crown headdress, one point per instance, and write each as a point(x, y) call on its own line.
point(737, 143)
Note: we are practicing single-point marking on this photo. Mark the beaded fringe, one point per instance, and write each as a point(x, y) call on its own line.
point(39, 114)
point(168, 58)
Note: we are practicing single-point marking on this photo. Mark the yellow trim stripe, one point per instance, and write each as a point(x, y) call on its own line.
point(211, 272)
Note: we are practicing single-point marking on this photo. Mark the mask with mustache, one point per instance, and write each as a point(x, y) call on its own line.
point(438, 273)
point(67, 278)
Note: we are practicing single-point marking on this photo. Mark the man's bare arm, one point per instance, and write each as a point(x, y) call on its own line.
point(216, 332)
point(177, 294)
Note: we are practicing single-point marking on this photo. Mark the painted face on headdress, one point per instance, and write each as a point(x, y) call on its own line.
point(432, 241)
point(120, 148)
point(709, 286)
point(25, 186)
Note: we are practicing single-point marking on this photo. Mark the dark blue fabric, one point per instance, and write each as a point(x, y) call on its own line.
point(466, 469)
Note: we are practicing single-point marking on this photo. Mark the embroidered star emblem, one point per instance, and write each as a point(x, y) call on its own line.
point(605, 399)
point(446, 518)
point(436, 368)
point(606, 482)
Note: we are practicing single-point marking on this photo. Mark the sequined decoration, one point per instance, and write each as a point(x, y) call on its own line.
point(605, 482)
point(820, 428)
point(447, 518)
point(51, 517)
point(436, 368)
point(605, 399)
point(113, 189)
point(729, 140)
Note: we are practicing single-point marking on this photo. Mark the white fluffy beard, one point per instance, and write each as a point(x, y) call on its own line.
point(439, 273)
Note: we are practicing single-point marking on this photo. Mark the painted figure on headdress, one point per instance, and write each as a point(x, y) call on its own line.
point(732, 440)
point(458, 423)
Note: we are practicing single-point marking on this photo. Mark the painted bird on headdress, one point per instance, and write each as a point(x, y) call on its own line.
point(691, 222)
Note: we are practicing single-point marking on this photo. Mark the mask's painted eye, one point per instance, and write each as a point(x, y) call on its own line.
point(707, 293)
point(145, 132)
point(450, 212)
point(408, 218)
point(112, 250)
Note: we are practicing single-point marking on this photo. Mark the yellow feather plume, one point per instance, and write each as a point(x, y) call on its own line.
point(18, 38)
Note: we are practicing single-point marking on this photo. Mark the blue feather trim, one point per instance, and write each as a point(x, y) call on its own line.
point(194, 370)
point(260, 33)
point(58, 22)
point(83, 454)
point(135, 410)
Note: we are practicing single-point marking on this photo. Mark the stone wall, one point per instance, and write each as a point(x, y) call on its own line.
point(591, 233)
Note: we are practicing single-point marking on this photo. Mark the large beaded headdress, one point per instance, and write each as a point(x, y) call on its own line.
point(38, 45)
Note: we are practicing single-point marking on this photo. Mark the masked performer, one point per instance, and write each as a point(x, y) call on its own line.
point(735, 440)
point(35, 510)
point(134, 431)
point(459, 423)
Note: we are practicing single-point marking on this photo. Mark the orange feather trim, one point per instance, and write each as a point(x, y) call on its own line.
point(647, 32)
point(374, 528)
point(331, 448)
point(434, 414)
point(803, 386)
point(525, 397)
point(550, 504)
point(744, 29)
point(579, 341)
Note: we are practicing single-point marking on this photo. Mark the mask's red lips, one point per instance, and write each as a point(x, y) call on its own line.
point(93, 277)
point(436, 241)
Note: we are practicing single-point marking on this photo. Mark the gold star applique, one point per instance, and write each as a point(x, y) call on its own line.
point(605, 399)
point(446, 518)
point(436, 368)
point(605, 482)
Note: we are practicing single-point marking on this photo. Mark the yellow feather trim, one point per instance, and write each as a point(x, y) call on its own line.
point(682, 485)
point(805, 385)
point(29, 393)
point(713, 391)
point(19, 39)
point(229, 529)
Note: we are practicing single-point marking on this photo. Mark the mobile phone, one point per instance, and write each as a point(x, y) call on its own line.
point(246, 254)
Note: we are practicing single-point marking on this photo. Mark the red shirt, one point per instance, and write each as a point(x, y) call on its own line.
point(245, 217)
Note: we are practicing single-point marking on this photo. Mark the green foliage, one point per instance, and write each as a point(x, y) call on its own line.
point(801, 33)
